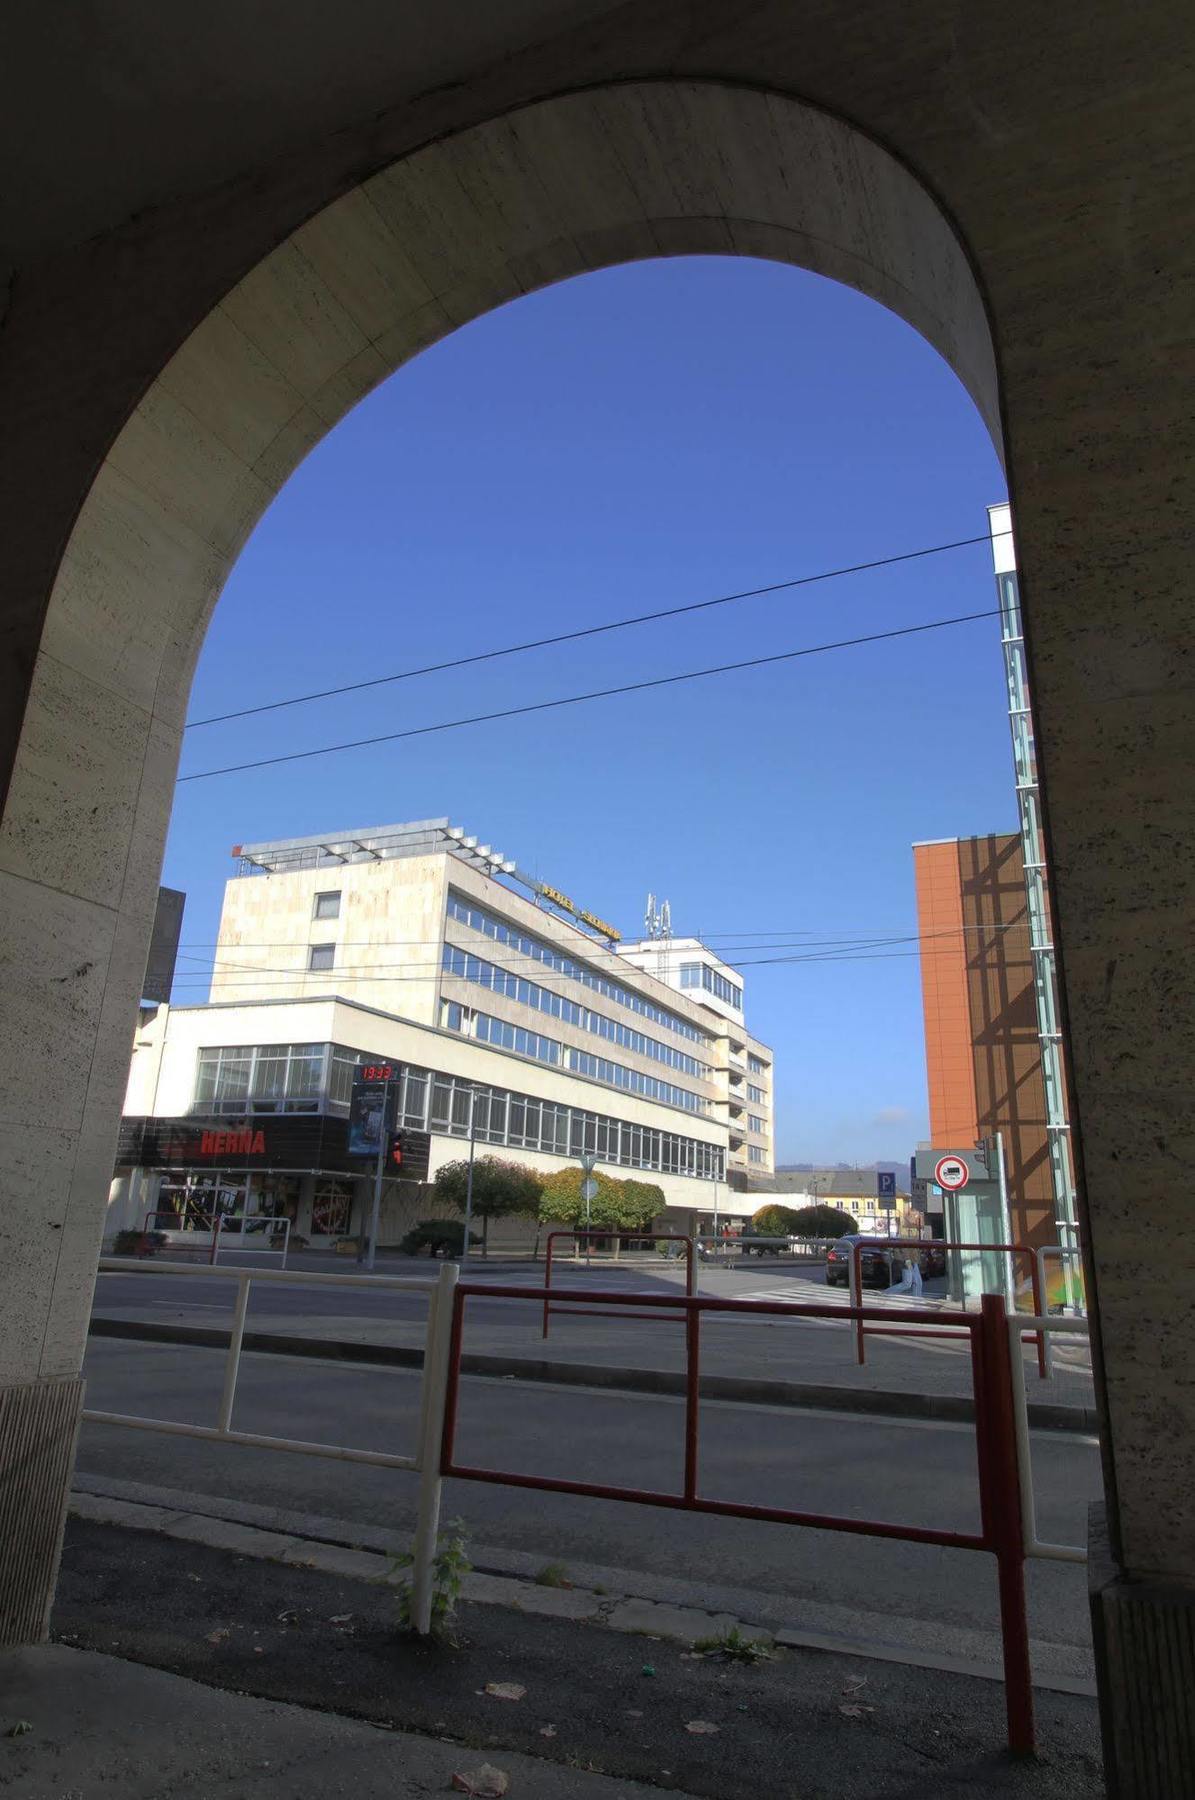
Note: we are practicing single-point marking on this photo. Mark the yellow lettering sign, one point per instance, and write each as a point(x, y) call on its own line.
point(569, 906)
point(601, 925)
point(559, 899)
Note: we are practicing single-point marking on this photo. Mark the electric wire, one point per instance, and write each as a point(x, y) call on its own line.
point(587, 631)
point(630, 687)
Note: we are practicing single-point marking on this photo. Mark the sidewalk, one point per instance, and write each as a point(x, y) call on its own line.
point(97, 1722)
point(588, 1711)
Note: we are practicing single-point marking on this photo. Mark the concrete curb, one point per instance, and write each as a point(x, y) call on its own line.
point(630, 1613)
point(816, 1396)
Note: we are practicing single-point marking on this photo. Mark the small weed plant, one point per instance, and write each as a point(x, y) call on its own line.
point(553, 1575)
point(732, 1646)
point(449, 1569)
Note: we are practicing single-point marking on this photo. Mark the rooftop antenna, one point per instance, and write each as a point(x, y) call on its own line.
point(658, 920)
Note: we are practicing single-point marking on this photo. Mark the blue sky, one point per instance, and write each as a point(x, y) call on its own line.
point(636, 439)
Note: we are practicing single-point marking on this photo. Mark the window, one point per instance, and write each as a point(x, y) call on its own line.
point(755, 1152)
point(276, 1078)
point(459, 962)
point(700, 975)
point(756, 1124)
point(466, 913)
point(327, 905)
point(321, 956)
point(755, 1094)
point(331, 1207)
point(434, 1102)
point(756, 1064)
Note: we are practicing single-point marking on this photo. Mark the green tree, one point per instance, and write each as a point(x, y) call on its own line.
point(501, 1190)
point(617, 1205)
point(822, 1222)
point(773, 1221)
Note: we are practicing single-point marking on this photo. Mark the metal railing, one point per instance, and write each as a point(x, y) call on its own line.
point(1068, 1256)
point(1001, 1532)
point(425, 1461)
point(581, 1235)
point(217, 1227)
point(1043, 1325)
point(898, 1247)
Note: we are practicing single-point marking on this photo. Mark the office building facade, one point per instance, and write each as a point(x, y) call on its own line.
point(512, 1018)
point(742, 1065)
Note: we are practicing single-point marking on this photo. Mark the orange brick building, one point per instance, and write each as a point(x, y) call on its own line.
point(981, 1044)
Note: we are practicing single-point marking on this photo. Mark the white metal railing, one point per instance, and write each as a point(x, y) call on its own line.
point(253, 1226)
point(425, 1462)
point(218, 1230)
point(1018, 1326)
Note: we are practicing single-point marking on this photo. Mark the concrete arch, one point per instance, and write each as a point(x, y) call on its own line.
point(566, 185)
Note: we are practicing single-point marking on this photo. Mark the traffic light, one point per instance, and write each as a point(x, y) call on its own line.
point(395, 1157)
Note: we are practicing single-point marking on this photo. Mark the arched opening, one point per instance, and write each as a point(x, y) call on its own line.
point(565, 186)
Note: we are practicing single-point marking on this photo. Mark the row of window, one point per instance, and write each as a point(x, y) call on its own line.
point(529, 993)
point(581, 1062)
point(274, 1077)
point(755, 1093)
point(434, 1102)
point(700, 975)
point(756, 1064)
point(468, 914)
point(271, 1078)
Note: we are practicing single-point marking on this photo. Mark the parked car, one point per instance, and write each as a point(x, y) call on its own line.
point(879, 1267)
point(875, 1265)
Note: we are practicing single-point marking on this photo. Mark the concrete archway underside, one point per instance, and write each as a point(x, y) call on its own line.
point(568, 185)
point(598, 176)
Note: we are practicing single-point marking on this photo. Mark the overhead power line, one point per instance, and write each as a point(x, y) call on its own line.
point(630, 687)
point(569, 637)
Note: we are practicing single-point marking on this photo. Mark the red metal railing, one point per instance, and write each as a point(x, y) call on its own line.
point(941, 1330)
point(582, 1234)
point(996, 1448)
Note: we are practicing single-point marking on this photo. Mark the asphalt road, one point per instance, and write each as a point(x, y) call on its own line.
point(832, 1463)
point(788, 1348)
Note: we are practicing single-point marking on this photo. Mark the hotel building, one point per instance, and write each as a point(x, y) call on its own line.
point(512, 1015)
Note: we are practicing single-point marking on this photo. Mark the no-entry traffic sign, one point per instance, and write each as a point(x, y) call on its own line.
point(950, 1172)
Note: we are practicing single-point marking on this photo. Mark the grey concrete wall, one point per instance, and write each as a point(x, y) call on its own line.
point(1058, 143)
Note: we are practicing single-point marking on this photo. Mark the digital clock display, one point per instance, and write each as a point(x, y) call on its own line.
point(377, 1071)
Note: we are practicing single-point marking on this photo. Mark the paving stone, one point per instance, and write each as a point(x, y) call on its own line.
point(529, 1597)
point(225, 1534)
point(120, 1512)
point(359, 1565)
point(685, 1622)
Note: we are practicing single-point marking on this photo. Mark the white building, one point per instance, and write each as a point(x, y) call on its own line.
point(743, 1065)
point(409, 943)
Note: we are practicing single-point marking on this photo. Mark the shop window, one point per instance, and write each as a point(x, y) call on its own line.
point(331, 1209)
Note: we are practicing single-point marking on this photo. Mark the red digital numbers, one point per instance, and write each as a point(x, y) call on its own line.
point(377, 1071)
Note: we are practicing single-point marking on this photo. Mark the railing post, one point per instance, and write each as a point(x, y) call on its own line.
point(1000, 1507)
point(547, 1278)
point(1044, 1359)
point(431, 1432)
point(215, 1256)
point(692, 1395)
point(232, 1365)
point(854, 1292)
point(691, 1244)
